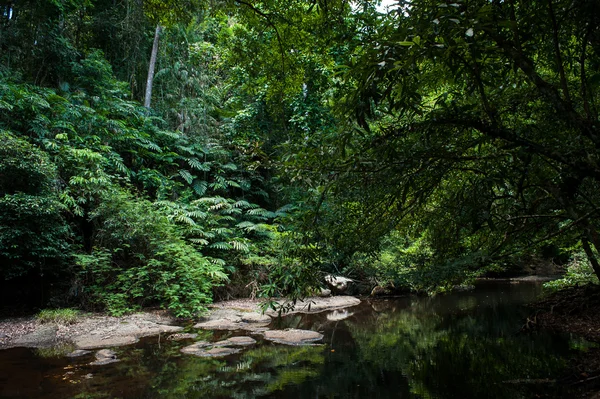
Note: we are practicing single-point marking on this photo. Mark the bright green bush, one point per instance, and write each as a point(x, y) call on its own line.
point(578, 272)
point(60, 316)
point(141, 259)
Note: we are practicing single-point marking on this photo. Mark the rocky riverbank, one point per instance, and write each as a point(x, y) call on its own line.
point(94, 331)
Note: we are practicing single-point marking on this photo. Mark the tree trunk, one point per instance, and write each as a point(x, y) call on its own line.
point(148, 95)
point(591, 257)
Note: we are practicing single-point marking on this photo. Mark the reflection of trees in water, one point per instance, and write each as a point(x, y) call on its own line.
point(463, 346)
point(257, 372)
point(470, 352)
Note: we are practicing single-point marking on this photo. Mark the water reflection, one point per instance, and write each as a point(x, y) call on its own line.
point(464, 345)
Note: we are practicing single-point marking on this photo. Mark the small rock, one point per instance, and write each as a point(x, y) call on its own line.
point(104, 356)
point(181, 336)
point(293, 336)
point(78, 352)
point(102, 362)
point(325, 293)
point(106, 353)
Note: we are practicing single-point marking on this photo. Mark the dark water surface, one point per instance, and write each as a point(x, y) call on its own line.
point(463, 345)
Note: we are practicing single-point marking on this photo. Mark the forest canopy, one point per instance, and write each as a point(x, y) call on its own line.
point(416, 146)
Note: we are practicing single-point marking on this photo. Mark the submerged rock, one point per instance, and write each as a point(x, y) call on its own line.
point(292, 336)
point(236, 341)
point(219, 352)
point(104, 356)
point(78, 352)
point(218, 349)
point(195, 348)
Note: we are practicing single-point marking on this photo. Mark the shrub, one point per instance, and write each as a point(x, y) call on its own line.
point(141, 259)
point(579, 272)
point(60, 316)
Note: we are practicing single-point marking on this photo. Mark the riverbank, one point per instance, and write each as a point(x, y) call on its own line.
point(574, 311)
point(93, 331)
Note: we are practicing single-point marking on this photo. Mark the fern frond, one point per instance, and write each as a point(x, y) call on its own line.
point(187, 176)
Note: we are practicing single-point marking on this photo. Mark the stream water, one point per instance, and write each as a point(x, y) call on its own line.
point(462, 345)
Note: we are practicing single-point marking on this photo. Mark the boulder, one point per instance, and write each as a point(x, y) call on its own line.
point(43, 337)
point(338, 285)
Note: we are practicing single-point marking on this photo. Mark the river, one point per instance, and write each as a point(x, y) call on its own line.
point(461, 345)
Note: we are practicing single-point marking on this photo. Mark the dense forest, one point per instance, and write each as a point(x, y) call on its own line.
point(164, 153)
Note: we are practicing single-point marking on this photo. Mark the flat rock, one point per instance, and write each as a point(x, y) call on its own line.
point(230, 319)
point(93, 342)
point(89, 332)
point(195, 347)
point(206, 349)
point(125, 333)
point(219, 352)
point(218, 349)
point(220, 324)
point(316, 305)
point(292, 336)
point(255, 318)
point(43, 336)
point(236, 341)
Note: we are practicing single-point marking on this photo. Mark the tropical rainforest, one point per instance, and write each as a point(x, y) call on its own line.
point(165, 153)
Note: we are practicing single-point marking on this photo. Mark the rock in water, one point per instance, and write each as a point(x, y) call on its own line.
point(292, 336)
point(218, 349)
point(104, 356)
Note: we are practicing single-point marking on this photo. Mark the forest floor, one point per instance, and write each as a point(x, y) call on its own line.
point(574, 311)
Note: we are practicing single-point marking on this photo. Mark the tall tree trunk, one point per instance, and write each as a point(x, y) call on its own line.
point(148, 95)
